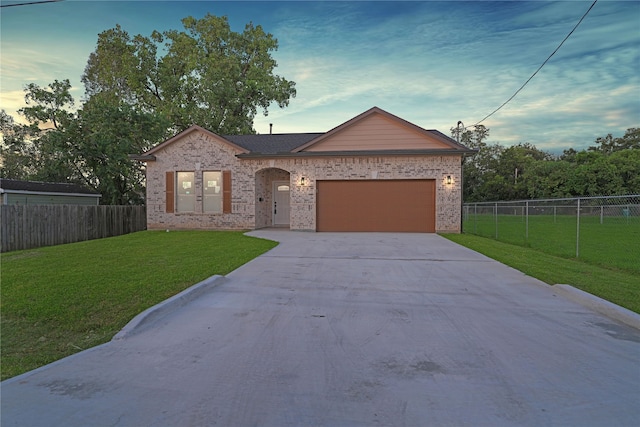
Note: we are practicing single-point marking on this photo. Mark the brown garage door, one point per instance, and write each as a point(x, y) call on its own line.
point(376, 205)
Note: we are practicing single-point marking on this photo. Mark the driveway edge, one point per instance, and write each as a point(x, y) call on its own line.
point(607, 308)
point(168, 305)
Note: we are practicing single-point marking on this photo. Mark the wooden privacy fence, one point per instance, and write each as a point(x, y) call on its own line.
point(33, 226)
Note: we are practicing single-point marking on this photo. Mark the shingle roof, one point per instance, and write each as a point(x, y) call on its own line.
point(45, 187)
point(272, 143)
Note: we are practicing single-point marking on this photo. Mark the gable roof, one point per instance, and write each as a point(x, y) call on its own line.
point(37, 187)
point(190, 130)
point(448, 143)
point(299, 144)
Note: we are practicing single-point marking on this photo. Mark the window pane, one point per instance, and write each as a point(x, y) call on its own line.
point(186, 194)
point(212, 191)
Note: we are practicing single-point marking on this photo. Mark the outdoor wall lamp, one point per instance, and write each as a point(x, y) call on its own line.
point(449, 180)
point(302, 181)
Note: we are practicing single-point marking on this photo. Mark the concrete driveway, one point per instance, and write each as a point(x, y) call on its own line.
point(360, 329)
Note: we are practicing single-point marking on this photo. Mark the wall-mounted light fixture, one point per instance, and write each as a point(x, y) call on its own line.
point(449, 180)
point(303, 181)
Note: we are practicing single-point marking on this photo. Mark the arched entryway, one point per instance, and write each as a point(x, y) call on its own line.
point(273, 187)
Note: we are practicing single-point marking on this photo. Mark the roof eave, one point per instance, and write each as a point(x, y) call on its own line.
point(452, 152)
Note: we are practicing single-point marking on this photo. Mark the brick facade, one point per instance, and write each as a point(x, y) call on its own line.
point(252, 183)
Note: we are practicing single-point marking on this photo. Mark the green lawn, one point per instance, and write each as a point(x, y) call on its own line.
point(619, 286)
point(62, 299)
point(613, 244)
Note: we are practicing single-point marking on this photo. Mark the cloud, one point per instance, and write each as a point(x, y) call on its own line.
point(435, 64)
point(11, 102)
point(432, 63)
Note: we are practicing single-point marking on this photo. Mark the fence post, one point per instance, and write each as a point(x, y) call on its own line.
point(475, 219)
point(467, 218)
point(601, 213)
point(526, 218)
point(496, 218)
point(578, 230)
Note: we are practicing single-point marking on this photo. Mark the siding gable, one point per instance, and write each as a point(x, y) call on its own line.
point(377, 132)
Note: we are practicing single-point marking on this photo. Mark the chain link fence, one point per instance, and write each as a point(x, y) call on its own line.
point(600, 230)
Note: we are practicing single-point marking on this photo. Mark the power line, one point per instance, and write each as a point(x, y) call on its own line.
point(29, 3)
point(540, 67)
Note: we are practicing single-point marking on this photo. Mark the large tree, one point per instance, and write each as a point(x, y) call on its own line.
point(207, 75)
point(100, 141)
point(90, 146)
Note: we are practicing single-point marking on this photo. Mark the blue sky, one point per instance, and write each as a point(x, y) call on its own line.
point(431, 63)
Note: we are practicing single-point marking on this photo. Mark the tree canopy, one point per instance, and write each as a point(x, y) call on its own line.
point(522, 171)
point(207, 75)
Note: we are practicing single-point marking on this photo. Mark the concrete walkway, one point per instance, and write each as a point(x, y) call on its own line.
point(359, 329)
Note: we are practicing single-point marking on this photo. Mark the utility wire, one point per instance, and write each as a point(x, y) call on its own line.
point(540, 67)
point(29, 3)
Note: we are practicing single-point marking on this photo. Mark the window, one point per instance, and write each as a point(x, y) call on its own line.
point(212, 192)
point(186, 192)
point(180, 192)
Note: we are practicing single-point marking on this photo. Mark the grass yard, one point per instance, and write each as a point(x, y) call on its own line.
point(59, 300)
point(613, 244)
point(619, 286)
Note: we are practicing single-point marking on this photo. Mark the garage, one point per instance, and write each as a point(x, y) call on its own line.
point(376, 205)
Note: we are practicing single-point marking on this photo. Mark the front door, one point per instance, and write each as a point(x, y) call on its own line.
point(280, 203)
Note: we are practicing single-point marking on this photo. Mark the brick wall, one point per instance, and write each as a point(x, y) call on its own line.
point(252, 179)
